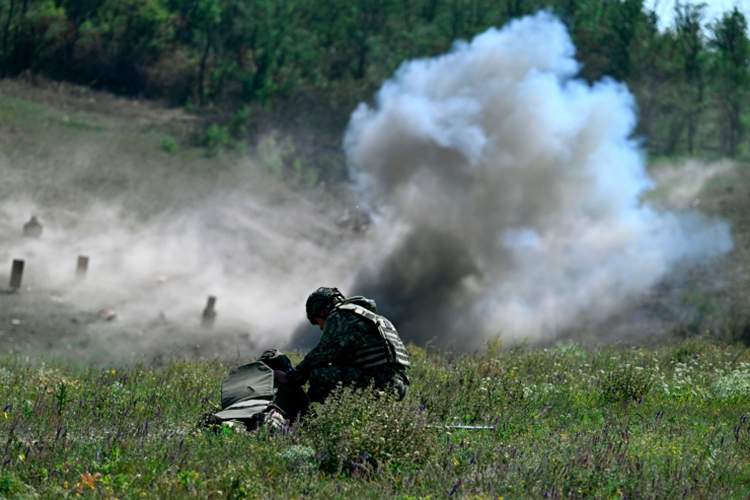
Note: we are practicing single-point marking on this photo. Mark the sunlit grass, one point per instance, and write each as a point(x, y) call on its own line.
point(562, 422)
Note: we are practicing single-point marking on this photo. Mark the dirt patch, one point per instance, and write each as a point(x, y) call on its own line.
point(70, 98)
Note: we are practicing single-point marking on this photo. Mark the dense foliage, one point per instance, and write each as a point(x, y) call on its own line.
point(327, 55)
point(562, 422)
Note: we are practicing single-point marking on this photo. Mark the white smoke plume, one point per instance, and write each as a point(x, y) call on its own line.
point(508, 193)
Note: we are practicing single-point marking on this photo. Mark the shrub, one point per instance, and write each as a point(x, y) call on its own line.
point(216, 137)
point(169, 145)
point(270, 155)
point(12, 488)
point(734, 385)
point(362, 431)
point(625, 382)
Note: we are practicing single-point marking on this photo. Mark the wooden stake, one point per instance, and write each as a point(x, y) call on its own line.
point(82, 267)
point(209, 314)
point(33, 228)
point(16, 274)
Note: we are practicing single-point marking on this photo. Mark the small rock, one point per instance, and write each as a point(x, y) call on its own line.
point(15, 322)
point(107, 315)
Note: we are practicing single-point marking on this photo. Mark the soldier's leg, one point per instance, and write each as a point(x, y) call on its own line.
point(401, 387)
point(394, 382)
point(323, 381)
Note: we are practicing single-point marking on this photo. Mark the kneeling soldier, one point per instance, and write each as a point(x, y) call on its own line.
point(359, 348)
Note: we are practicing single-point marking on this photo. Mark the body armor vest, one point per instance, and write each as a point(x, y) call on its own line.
point(386, 350)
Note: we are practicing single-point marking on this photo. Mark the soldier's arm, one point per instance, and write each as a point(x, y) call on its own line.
point(321, 355)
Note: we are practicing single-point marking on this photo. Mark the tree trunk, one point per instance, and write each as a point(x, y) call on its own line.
point(675, 131)
point(694, 118)
point(202, 71)
point(735, 128)
point(6, 30)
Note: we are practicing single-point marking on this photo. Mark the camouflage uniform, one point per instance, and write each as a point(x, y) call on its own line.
point(327, 365)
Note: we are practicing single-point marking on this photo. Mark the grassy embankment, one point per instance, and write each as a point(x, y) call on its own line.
point(566, 422)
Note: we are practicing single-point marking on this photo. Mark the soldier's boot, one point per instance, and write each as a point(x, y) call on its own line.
point(274, 420)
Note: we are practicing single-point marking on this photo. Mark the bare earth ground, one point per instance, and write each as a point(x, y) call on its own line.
point(69, 154)
point(66, 97)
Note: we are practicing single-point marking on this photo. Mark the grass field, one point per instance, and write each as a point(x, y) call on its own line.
point(664, 420)
point(563, 423)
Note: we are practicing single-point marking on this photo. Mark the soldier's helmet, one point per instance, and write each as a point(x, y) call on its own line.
point(320, 298)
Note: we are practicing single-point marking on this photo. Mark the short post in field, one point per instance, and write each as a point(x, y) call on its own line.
point(16, 274)
point(33, 228)
point(82, 266)
point(209, 314)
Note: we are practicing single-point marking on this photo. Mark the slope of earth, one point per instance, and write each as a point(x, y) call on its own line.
point(164, 226)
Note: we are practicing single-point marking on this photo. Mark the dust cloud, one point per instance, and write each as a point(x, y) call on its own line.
point(508, 195)
point(162, 234)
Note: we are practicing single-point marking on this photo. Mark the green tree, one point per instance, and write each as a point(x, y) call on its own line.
point(731, 60)
point(684, 97)
point(134, 34)
point(77, 13)
point(691, 48)
point(203, 18)
point(12, 6)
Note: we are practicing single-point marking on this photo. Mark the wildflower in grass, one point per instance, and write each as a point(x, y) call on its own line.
point(89, 480)
point(735, 384)
point(455, 488)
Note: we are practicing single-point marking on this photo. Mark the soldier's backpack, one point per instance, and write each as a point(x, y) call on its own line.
point(250, 395)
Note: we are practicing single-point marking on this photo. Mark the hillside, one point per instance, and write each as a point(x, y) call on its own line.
point(164, 224)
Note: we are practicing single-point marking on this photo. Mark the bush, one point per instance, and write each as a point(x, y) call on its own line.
point(169, 145)
point(216, 137)
point(12, 488)
point(362, 431)
point(270, 155)
point(734, 385)
point(625, 382)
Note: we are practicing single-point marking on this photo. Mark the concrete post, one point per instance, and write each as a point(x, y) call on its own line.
point(209, 314)
point(16, 274)
point(82, 266)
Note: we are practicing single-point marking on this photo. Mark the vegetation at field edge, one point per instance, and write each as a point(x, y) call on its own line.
point(563, 422)
point(303, 65)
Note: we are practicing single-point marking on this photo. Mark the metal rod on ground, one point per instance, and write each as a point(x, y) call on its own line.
point(209, 314)
point(82, 267)
point(16, 274)
point(467, 427)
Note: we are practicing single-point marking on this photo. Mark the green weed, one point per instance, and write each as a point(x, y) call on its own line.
point(215, 138)
point(169, 145)
point(562, 422)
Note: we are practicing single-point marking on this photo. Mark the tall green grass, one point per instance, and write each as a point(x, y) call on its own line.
point(559, 423)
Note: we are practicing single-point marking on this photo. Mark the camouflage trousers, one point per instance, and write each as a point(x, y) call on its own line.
point(323, 381)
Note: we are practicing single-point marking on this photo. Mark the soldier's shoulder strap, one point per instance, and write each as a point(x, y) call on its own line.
point(359, 311)
point(385, 328)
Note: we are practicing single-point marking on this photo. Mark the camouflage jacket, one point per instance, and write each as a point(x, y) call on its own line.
point(342, 332)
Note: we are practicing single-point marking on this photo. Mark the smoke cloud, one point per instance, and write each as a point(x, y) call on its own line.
point(507, 193)
point(162, 233)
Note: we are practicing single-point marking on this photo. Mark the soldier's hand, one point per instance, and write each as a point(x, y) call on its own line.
point(280, 377)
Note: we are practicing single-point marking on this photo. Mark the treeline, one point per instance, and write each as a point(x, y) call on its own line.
point(691, 83)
